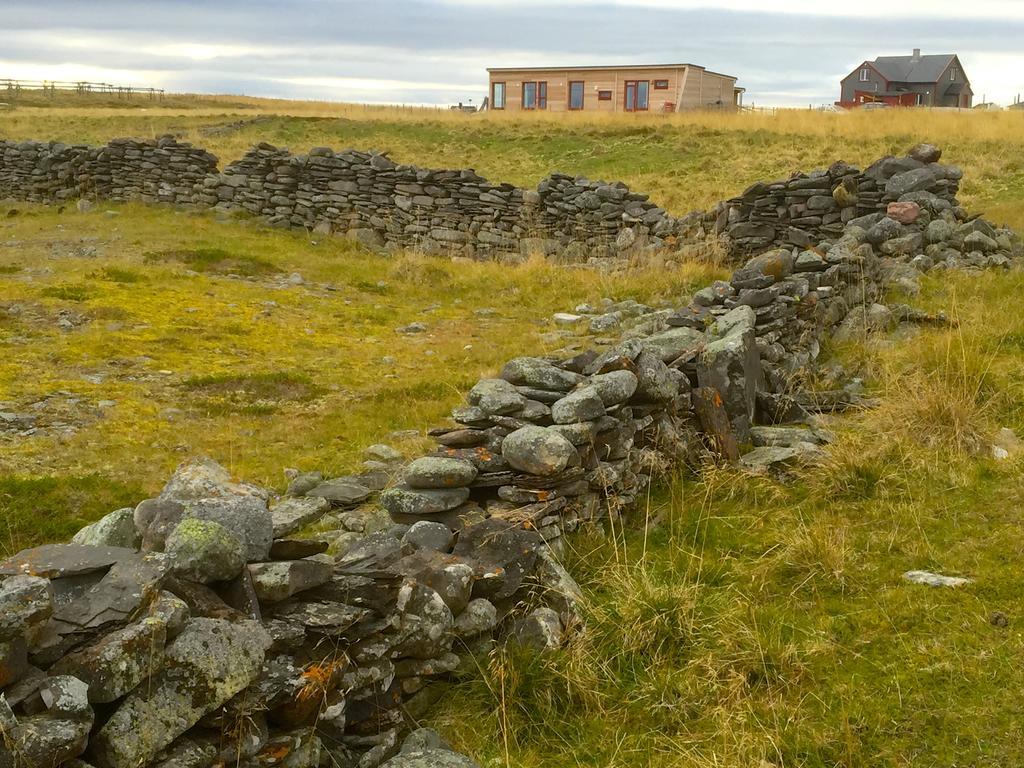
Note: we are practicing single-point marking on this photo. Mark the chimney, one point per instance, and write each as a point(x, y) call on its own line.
point(917, 54)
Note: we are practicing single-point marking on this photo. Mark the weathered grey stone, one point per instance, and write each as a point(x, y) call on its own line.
point(440, 472)
point(496, 396)
point(278, 581)
point(429, 535)
point(925, 153)
point(615, 387)
point(539, 374)
point(583, 404)
point(294, 513)
point(540, 631)
point(206, 479)
point(245, 517)
point(114, 530)
point(731, 365)
point(430, 758)
point(914, 180)
point(118, 662)
point(655, 383)
point(671, 344)
point(341, 491)
point(409, 501)
point(426, 623)
point(26, 602)
point(537, 450)
point(934, 579)
point(208, 663)
point(204, 551)
point(62, 561)
point(479, 617)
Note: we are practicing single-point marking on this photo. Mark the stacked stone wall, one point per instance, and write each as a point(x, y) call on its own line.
point(218, 623)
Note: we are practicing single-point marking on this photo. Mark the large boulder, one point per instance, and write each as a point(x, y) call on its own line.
point(114, 530)
point(207, 664)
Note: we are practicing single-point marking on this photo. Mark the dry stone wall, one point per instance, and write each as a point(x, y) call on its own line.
point(363, 195)
point(219, 624)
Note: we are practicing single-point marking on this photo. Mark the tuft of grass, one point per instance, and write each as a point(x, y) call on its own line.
point(257, 394)
point(68, 292)
point(118, 275)
point(216, 261)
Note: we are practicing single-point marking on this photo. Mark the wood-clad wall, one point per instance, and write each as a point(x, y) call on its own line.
point(688, 88)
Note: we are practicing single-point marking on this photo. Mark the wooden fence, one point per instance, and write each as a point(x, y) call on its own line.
point(12, 88)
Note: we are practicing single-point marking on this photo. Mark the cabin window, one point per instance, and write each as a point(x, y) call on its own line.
point(542, 95)
point(637, 95)
point(498, 96)
point(529, 96)
point(953, 74)
point(864, 75)
point(661, 85)
point(575, 94)
point(604, 95)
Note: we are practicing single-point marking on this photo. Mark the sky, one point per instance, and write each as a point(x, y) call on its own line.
point(784, 52)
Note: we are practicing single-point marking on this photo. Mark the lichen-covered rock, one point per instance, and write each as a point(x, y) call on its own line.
point(275, 582)
point(439, 472)
point(296, 512)
point(208, 663)
point(540, 631)
point(731, 365)
point(204, 551)
point(26, 602)
point(409, 501)
point(118, 662)
point(245, 517)
point(539, 374)
point(496, 396)
point(426, 534)
point(583, 404)
point(114, 530)
point(537, 450)
point(615, 387)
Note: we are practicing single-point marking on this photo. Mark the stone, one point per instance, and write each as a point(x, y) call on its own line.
point(934, 579)
point(655, 382)
point(430, 758)
point(615, 387)
point(114, 530)
point(925, 153)
point(426, 623)
point(206, 479)
point(540, 631)
point(56, 737)
point(496, 396)
point(768, 458)
point(62, 561)
point(979, 241)
point(13, 660)
point(606, 323)
point(409, 501)
point(26, 602)
point(297, 549)
point(938, 231)
point(480, 617)
point(384, 453)
point(275, 582)
point(207, 664)
point(292, 514)
point(439, 472)
point(539, 374)
point(114, 665)
point(731, 365)
point(671, 344)
point(537, 451)
point(429, 535)
point(584, 404)
point(341, 492)
point(204, 551)
point(915, 180)
point(904, 213)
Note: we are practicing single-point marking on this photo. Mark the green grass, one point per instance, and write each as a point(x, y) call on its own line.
point(37, 510)
point(768, 625)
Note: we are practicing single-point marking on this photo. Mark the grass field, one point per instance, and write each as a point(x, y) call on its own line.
point(760, 625)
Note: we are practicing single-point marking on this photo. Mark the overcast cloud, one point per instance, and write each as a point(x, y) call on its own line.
point(784, 52)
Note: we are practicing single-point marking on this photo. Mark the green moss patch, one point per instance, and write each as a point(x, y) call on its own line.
point(216, 261)
point(255, 394)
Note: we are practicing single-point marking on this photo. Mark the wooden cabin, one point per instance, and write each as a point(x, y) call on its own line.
point(635, 88)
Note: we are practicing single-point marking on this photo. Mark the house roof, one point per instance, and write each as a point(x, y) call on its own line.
point(910, 69)
point(608, 66)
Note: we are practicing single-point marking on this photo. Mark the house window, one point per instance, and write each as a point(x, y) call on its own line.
point(661, 85)
point(529, 96)
point(604, 95)
point(953, 74)
point(636, 95)
point(575, 94)
point(864, 75)
point(498, 96)
point(542, 95)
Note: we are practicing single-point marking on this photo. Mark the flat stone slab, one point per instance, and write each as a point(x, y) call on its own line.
point(934, 579)
point(58, 561)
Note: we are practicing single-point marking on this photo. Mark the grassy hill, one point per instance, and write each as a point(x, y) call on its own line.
point(757, 624)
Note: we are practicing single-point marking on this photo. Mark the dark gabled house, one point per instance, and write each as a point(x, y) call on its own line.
point(909, 81)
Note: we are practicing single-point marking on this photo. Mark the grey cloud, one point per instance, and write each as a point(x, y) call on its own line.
point(771, 54)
